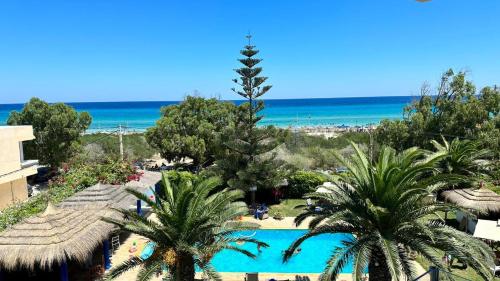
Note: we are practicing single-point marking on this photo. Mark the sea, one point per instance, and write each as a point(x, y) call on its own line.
point(140, 115)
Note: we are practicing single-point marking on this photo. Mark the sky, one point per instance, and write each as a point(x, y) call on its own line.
point(120, 50)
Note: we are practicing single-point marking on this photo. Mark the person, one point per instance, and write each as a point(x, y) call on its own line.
point(163, 167)
point(258, 248)
point(261, 210)
point(309, 202)
point(445, 259)
point(256, 212)
point(133, 248)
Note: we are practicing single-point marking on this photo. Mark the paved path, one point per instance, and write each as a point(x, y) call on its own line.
point(285, 223)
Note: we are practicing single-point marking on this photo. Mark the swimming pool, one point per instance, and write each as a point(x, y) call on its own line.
point(311, 259)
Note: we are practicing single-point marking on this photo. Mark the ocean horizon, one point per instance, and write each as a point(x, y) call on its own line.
point(351, 111)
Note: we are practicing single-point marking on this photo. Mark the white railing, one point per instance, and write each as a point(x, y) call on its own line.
point(28, 163)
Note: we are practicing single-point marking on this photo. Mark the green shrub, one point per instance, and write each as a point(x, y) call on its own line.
point(72, 179)
point(297, 141)
point(308, 152)
point(82, 175)
point(34, 205)
point(302, 182)
point(278, 216)
point(179, 177)
point(101, 145)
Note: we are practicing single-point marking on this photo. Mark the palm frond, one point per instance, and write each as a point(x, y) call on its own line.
point(125, 266)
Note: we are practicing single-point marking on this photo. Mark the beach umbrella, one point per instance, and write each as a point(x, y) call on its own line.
point(482, 200)
point(54, 237)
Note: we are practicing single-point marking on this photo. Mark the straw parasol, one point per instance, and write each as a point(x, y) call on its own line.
point(101, 195)
point(70, 231)
point(481, 199)
point(50, 238)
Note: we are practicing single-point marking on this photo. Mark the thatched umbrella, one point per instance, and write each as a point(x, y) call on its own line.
point(101, 195)
point(53, 237)
point(70, 231)
point(482, 200)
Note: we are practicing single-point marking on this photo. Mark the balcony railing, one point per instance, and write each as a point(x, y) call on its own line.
point(28, 163)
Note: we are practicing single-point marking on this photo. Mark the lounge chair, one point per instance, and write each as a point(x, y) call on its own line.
point(261, 212)
point(252, 276)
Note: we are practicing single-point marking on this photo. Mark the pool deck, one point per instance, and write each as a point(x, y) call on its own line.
point(123, 254)
point(271, 223)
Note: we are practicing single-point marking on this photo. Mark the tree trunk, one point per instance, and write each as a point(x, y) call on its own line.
point(184, 268)
point(377, 267)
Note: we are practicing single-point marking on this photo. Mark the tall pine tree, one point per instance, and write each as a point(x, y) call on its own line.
point(249, 162)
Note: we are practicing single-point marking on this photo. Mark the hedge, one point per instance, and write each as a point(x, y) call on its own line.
point(71, 180)
point(302, 182)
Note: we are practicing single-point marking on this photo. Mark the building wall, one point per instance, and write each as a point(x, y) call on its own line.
point(10, 158)
point(13, 167)
point(10, 153)
point(471, 222)
point(12, 192)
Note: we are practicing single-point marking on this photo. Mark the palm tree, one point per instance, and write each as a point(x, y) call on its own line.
point(463, 157)
point(384, 206)
point(192, 222)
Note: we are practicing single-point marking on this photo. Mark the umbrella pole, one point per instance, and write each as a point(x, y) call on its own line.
point(63, 271)
point(107, 260)
point(466, 223)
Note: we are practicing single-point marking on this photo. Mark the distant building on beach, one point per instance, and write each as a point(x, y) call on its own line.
point(14, 169)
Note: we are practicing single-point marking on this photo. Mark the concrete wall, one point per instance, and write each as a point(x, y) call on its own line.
point(13, 187)
point(471, 222)
point(12, 192)
point(10, 139)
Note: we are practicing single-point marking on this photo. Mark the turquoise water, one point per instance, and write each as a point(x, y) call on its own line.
point(283, 113)
point(311, 259)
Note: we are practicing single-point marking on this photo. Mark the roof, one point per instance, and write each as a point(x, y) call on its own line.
point(52, 237)
point(486, 229)
point(100, 195)
point(482, 199)
point(70, 231)
point(17, 133)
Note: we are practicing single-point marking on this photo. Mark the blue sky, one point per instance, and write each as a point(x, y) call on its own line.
point(121, 50)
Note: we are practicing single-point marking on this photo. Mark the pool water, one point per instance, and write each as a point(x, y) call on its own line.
point(311, 259)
